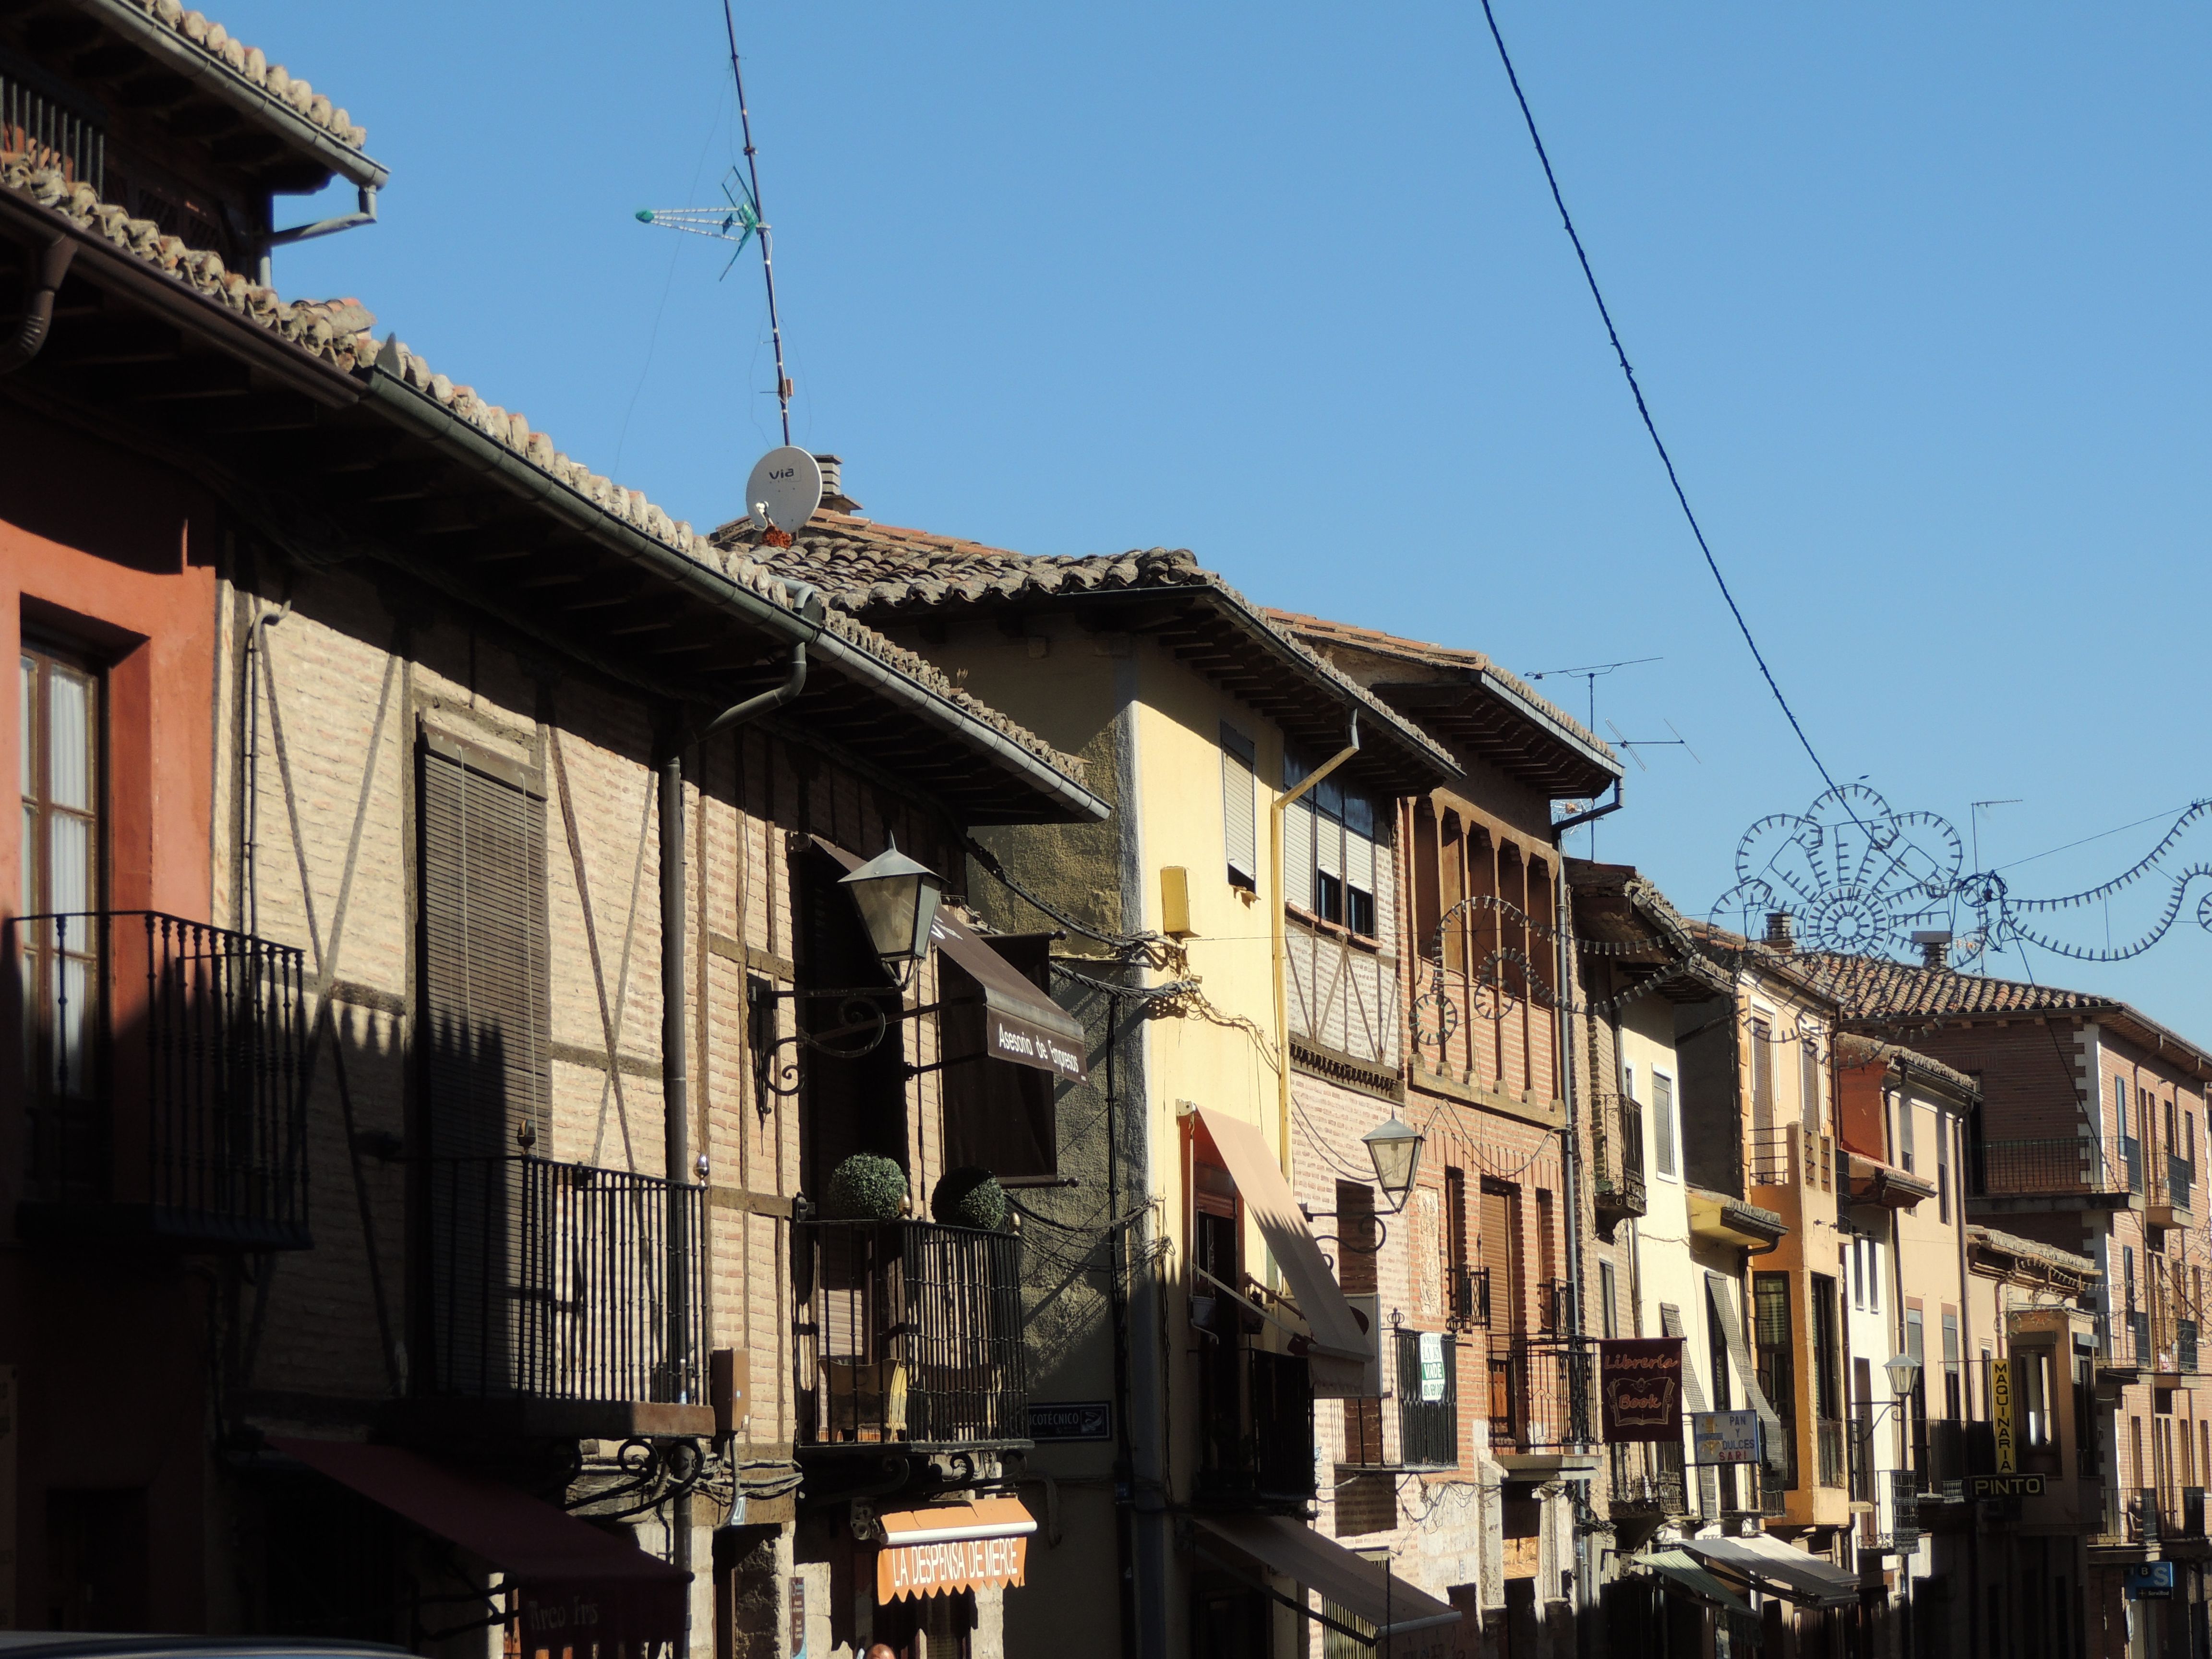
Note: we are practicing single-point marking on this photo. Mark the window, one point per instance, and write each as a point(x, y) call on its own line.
point(1330, 849)
point(60, 737)
point(1943, 1170)
point(1954, 1404)
point(1762, 1077)
point(1808, 1082)
point(1607, 1294)
point(1906, 1135)
point(485, 972)
point(2120, 1105)
point(1662, 1121)
point(1240, 832)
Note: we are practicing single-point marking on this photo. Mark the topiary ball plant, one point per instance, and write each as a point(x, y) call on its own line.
point(970, 1197)
point(866, 1188)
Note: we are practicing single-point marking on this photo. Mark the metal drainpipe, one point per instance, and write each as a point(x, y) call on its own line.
point(1570, 1166)
point(675, 1068)
point(29, 331)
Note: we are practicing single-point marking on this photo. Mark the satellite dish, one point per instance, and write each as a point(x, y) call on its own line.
point(785, 489)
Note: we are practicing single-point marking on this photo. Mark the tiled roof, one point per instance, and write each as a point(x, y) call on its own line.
point(1854, 1049)
point(886, 572)
point(338, 332)
point(1875, 987)
point(1434, 656)
point(2034, 1249)
point(250, 66)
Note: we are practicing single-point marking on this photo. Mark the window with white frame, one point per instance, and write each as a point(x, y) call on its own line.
point(1663, 1124)
point(1239, 829)
point(1336, 841)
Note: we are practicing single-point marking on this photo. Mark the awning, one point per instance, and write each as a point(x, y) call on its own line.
point(1021, 1023)
point(1874, 1182)
point(575, 1584)
point(1682, 1573)
point(1773, 1565)
point(1362, 1588)
point(1721, 1300)
point(1337, 1334)
point(946, 1548)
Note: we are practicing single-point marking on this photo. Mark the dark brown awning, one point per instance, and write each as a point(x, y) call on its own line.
point(1021, 1023)
point(576, 1585)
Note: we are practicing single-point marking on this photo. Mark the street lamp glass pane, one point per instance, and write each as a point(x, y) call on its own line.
point(1903, 1371)
point(1395, 1148)
point(897, 901)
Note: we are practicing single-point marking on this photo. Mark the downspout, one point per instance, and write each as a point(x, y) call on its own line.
point(675, 1067)
point(1585, 1600)
point(29, 331)
point(1278, 939)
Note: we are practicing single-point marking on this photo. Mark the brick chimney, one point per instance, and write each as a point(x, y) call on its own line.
point(833, 484)
point(1781, 930)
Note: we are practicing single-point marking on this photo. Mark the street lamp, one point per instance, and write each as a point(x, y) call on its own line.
point(897, 900)
point(1395, 1148)
point(1904, 1373)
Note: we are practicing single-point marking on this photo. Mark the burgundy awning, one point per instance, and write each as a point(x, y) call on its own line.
point(576, 1585)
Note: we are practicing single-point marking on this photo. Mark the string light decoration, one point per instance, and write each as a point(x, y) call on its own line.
point(1858, 878)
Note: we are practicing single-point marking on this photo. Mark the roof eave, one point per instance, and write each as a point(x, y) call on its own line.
point(158, 40)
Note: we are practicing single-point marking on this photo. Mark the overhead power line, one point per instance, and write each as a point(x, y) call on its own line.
point(1642, 408)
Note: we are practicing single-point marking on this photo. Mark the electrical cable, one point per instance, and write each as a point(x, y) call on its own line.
point(1642, 408)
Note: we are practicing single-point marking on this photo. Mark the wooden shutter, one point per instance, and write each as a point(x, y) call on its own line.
point(1501, 1254)
point(485, 975)
point(1240, 833)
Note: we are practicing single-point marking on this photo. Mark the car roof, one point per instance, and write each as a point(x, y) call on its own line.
point(89, 1645)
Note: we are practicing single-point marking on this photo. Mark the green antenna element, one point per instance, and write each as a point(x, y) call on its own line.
point(738, 220)
point(644, 216)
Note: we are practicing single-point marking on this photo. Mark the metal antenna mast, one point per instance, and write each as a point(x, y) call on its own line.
point(767, 251)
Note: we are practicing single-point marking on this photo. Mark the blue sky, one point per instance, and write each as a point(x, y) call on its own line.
point(1916, 293)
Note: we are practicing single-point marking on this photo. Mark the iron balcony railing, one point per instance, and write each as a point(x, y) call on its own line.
point(2142, 1514)
point(164, 1088)
point(908, 1332)
point(1470, 1298)
point(48, 132)
point(1939, 1458)
point(2131, 1341)
point(1428, 1401)
point(1617, 1156)
point(1555, 1307)
point(1904, 1488)
point(2172, 1187)
point(1540, 1392)
point(1771, 1156)
point(2073, 1163)
point(2184, 1344)
point(562, 1281)
point(2131, 1160)
point(2192, 1512)
point(1828, 1441)
point(1646, 1477)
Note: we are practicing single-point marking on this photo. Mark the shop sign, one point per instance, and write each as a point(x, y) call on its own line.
point(2001, 1416)
point(1724, 1438)
point(2150, 1581)
point(1076, 1419)
point(942, 1568)
point(2005, 1485)
point(1640, 1389)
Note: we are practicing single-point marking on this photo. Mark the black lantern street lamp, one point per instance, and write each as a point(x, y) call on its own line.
point(897, 900)
point(1395, 1148)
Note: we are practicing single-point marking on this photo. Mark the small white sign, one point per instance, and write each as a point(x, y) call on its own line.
point(1724, 1438)
point(1432, 1367)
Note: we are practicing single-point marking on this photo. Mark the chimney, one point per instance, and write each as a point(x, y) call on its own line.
point(833, 484)
point(1781, 930)
point(1935, 949)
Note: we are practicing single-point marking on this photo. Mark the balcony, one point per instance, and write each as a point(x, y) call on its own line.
point(1939, 1459)
point(1771, 1153)
point(908, 1333)
point(1646, 1485)
point(1555, 1307)
point(1539, 1395)
point(1470, 1298)
point(1904, 1486)
point(1428, 1403)
point(2168, 1201)
point(2143, 1516)
point(1858, 1451)
point(2064, 1172)
point(574, 1296)
point(165, 1095)
point(1617, 1159)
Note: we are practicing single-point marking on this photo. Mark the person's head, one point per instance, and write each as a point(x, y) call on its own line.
point(880, 1650)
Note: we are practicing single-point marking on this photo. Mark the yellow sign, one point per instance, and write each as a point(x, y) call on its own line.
point(2001, 1415)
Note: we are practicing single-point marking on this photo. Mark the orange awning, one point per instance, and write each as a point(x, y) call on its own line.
point(1337, 1332)
point(945, 1547)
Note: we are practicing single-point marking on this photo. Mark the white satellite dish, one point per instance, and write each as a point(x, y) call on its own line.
point(785, 489)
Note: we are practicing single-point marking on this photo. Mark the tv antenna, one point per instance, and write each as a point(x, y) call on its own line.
point(1622, 741)
point(1974, 810)
point(738, 221)
point(1591, 673)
